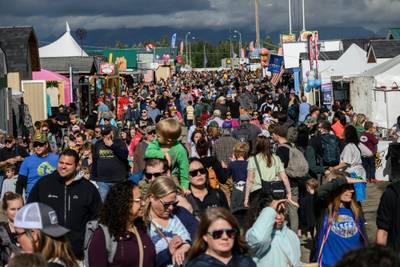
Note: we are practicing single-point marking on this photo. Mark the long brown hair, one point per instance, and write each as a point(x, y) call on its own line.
point(209, 216)
point(54, 248)
point(263, 147)
point(334, 201)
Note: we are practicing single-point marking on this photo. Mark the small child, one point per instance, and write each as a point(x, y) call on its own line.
point(189, 113)
point(369, 140)
point(10, 181)
point(307, 218)
point(237, 168)
point(167, 146)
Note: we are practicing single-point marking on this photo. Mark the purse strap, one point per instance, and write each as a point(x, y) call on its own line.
point(140, 245)
point(257, 166)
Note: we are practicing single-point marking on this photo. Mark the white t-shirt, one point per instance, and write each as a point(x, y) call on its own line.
point(351, 155)
point(53, 93)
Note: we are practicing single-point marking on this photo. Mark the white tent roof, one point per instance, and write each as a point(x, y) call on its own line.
point(385, 73)
point(352, 62)
point(65, 46)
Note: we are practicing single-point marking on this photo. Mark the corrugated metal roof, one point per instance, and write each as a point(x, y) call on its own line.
point(385, 48)
point(394, 33)
point(62, 64)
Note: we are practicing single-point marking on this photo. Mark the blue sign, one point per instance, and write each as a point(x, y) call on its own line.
point(275, 63)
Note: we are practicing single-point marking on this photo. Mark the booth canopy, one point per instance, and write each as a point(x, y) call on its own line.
point(65, 46)
point(385, 73)
point(352, 62)
point(47, 75)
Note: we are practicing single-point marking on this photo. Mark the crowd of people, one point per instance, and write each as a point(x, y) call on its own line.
point(202, 169)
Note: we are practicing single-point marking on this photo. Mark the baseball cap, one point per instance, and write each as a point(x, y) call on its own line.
point(244, 117)
point(39, 216)
point(269, 97)
point(40, 138)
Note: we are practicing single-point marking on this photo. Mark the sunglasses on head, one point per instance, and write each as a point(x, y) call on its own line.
point(168, 204)
point(149, 176)
point(197, 172)
point(217, 234)
point(38, 144)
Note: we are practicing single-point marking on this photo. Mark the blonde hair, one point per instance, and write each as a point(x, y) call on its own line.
point(241, 149)
point(159, 188)
point(360, 119)
point(168, 131)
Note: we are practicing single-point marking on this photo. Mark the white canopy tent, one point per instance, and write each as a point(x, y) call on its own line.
point(352, 62)
point(65, 46)
point(386, 73)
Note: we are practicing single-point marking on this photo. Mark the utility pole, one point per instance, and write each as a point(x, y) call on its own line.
point(240, 42)
point(257, 15)
point(290, 17)
point(304, 16)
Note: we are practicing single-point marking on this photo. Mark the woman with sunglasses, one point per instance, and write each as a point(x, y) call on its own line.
point(202, 196)
point(340, 224)
point(218, 242)
point(171, 227)
point(119, 215)
point(255, 119)
point(271, 242)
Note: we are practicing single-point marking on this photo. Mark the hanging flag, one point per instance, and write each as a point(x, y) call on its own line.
point(251, 46)
point(275, 63)
point(181, 48)
point(205, 61)
point(173, 40)
point(242, 54)
point(276, 77)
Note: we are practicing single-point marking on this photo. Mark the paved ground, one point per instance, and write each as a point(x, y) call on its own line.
point(374, 192)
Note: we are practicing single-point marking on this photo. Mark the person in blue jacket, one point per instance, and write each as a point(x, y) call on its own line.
point(271, 242)
point(218, 242)
point(171, 227)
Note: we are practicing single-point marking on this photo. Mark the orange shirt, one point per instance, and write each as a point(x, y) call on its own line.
point(338, 129)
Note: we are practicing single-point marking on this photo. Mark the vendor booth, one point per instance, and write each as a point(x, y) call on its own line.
point(62, 90)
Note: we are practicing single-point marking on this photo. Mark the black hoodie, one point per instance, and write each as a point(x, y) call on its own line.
point(75, 204)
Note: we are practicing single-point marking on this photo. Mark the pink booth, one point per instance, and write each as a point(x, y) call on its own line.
point(47, 75)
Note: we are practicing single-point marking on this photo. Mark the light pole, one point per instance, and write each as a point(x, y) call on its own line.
point(240, 41)
point(257, 17)
point(190, 51)
point(186, 47)
point(290, 17)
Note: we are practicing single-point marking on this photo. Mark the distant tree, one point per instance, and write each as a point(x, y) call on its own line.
point(268, 43)
point(120, 45)
point(164, 41)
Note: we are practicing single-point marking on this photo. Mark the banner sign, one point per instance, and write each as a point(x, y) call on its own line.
point(173, 40)
point(107, 68)
point(287, 38)
point(275, 63)
point(326, 90)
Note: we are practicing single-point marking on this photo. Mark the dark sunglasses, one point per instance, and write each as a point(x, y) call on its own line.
point(168, 204)
point(38, 144)
point(196, 172)
point(149, 176)
point(217, 234)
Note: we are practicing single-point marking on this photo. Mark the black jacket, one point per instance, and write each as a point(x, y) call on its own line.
point(110, 164)
point(204, 260)
point(388, 215)
point(75, 204)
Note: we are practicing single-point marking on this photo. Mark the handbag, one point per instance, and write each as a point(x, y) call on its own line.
point(276, 189)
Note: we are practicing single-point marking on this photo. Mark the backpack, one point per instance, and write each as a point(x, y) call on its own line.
point(297, 165)
point(111, 243)
point(212, 178)
point(330, 149)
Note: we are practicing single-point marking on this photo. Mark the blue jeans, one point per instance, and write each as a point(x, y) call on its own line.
point(103, 189)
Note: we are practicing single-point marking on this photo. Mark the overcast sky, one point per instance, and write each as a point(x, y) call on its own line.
point(49, 16)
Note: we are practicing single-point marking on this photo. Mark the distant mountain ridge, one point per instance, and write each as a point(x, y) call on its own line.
point(108, 38)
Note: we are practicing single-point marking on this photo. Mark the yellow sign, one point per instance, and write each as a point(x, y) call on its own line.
point(287, 38)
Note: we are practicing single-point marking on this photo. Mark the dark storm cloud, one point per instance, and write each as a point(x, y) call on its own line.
point(56, 8)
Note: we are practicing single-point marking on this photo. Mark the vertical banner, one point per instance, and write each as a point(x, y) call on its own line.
point(173, 41)
point(296, 73)
point(275, 63)
point(181, 48)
